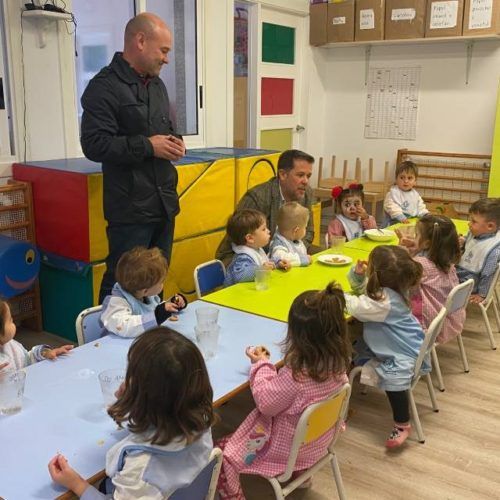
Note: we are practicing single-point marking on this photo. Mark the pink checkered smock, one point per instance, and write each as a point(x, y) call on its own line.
point(263, 441)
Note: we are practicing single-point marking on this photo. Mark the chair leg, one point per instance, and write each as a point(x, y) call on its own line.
point(338, 477)
point(437, 368)
point(463, 355)
point(484, 312)
point(497, 316)
point(416, 419)
point(278, 491)
point(432, 394)
point(353, 374)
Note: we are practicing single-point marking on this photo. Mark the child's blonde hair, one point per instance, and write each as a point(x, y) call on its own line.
point(391, 266)
point(4, 308)
point(141, 268)
point(291, 215)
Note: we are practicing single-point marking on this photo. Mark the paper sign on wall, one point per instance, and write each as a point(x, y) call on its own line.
point(444, 14)
point(366, 19)
point(403, 14)
point(338, 20)
point(480, 14)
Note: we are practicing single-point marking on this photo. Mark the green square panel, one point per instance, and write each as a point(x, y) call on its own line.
point(278, 43)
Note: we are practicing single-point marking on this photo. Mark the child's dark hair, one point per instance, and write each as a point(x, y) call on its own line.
point(167, 390)
point(339, 194)
point(3, 316)
point(391, 266)
point(408, 167)
point(489, 208)
point(141, 268)
point(439, 238)
point(317, 344)
point(244, 222)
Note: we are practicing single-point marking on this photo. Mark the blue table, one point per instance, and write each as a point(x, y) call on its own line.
point(63, 409)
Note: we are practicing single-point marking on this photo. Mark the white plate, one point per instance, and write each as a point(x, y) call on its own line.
point(380, 234)
point(332, 259)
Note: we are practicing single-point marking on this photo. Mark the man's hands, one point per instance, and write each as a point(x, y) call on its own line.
point(168, 147)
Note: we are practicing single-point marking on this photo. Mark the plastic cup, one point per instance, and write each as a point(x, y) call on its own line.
point(207, 339)
point(110, 381)
point(207, 316)
point(337, 244)
point(11, 391)
point(262, 278)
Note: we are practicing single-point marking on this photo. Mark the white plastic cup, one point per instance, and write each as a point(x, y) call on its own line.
point(11, 391)
point(262, 278)
point(208, 339)
point(110, 381)
point(337, 244)
point(207, 316)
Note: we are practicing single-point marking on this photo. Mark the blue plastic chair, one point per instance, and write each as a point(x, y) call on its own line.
point(209, 276)
point(88, 327)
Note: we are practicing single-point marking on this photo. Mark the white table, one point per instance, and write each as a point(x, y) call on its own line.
point(63, 409)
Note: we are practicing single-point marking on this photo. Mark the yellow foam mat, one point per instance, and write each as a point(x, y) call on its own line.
point(316, 213)
point(98, 241)
point(97, 274)
point(254, 170)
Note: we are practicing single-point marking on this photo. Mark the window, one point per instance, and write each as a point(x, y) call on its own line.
point(6, 130)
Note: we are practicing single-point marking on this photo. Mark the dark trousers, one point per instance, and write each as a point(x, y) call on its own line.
point(124, 237)
point(400, 406)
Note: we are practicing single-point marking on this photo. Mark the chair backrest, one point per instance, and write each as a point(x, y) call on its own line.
point(430, 339)
point(459, 296)
point(204, 485)
point(491, 289)
point(88, 327)
point(209, 276)
point(317, 419)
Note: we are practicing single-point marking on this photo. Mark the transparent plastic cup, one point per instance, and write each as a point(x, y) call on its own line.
point(337, 244)
point(207, 316)
point(11, 391)
point(208, 339)
point(262, 278)
point(110, 381)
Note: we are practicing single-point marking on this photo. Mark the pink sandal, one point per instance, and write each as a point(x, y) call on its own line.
point(399, 434)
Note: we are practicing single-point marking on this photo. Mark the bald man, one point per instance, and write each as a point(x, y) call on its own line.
point(126, 127)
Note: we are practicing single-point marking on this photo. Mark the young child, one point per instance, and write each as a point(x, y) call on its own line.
point(437, 250)
point(13, 356)
point(402, 201)
point(247, 230)
point(481, 251)
point(351, 219)
point(166, 401)
point(134, 305)
point(287, 249)
point(391, 333)
point(317, 354)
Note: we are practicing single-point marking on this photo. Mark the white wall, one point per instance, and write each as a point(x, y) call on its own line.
point(452, 116)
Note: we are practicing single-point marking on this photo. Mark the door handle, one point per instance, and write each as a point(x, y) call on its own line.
point(299, 128)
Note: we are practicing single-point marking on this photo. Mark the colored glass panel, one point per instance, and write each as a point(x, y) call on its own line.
point(280, 139)
point(276, 96)
point(278, 43)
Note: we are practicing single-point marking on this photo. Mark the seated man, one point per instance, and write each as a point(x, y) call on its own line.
point(291, 184)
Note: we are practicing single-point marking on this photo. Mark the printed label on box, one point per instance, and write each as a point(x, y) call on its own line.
point(480, 14)
point(444, 15)
point(403, 14)
point(366, 19)
point(338, 20)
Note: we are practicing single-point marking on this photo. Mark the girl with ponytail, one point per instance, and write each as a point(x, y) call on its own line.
point(317, 354)
point(392, 336)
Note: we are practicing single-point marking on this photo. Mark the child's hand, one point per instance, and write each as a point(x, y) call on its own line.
point(409, 243)
point(58, 351)
point(171, 307)
point(269, 265)
point(119, 392)
point(475, 298)
point(461, 240)
point(361, 267)
point(363, 214)
point(63, 474)
point(257, 353)
point(285, 265)
point(178, 300)
point(309, 259)
point(3, 365)
point(404, 221)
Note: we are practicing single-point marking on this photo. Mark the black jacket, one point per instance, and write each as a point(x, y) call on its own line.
point(120, 112)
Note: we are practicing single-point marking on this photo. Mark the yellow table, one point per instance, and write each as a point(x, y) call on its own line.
point(284, 287)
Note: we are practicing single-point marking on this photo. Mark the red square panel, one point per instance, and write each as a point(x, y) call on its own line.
point(276, 96)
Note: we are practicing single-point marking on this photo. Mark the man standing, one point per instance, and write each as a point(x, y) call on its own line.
point(291, 184)
point(126, 127)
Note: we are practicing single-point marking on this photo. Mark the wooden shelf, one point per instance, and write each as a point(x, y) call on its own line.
point(452, 166)
point(47, 14)
point(449, 178)
point(458, 190)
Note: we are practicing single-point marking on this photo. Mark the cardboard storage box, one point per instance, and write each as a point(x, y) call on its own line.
point(341, 21)
point(369, 20)
point(482, 17)
point(444, 18)
point(317, 23)
point(404, 19)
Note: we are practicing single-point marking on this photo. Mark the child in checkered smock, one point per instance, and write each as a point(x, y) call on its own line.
point(317, 354)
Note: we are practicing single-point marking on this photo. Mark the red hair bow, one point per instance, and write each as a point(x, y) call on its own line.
point(336, 190)
point(355, 186)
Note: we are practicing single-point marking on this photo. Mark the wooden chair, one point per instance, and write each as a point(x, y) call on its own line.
point(491, 299)
point(374, 191)
point(329, 182)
